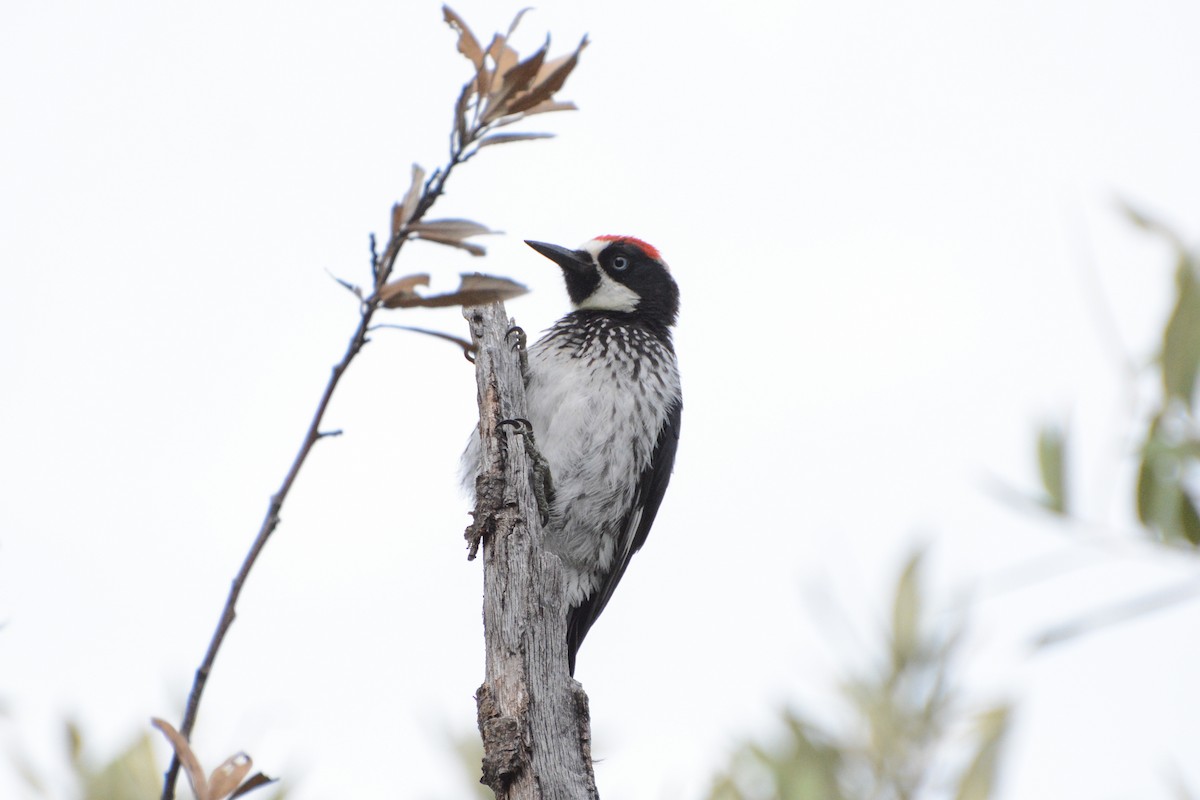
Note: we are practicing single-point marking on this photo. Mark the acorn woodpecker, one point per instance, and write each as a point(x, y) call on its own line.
point(604, 402)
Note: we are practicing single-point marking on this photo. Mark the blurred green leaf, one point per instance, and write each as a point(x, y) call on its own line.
point(74, 744)
point(1141, 219)
point(1181, 337)
point(1052, 466)
point(1189, 520)
point(1159, 497)
point(27, 773)
point(1147, 481)
point(814, 764)
point(904, 723)
point(134, 774)
point(978, 782)
point(1148, 223)
point(906, 611)
point(1164, 504)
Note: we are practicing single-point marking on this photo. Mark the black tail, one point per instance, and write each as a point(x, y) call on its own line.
point(578, 622)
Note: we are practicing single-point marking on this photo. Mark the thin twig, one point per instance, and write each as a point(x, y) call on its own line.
point(467, 347)
point(269, 523)
point(383, 267)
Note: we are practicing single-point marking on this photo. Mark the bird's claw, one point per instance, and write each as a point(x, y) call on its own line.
point(523, 426)
point(543, 485)
point(522, 339)
point(521, 347)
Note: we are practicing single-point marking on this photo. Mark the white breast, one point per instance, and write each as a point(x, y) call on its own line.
point(597, 406)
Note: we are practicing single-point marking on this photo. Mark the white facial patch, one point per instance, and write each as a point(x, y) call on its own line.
point(610, 296)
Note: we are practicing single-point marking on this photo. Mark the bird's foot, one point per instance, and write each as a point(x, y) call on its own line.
point(543, 484)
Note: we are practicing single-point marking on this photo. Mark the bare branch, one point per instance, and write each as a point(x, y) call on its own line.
point(533, 716)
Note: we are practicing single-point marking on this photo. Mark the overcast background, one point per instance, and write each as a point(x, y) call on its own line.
point(896, 230)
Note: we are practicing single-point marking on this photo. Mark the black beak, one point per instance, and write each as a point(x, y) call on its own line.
point(578, 262)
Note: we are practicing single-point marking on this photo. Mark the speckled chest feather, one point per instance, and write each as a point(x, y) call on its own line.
point(599, 391)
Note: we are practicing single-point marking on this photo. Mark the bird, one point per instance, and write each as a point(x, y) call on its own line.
point(604, 403)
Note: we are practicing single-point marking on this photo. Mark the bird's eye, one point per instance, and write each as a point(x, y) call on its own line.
point(620, 263)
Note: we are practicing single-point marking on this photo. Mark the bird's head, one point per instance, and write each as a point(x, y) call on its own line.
point(618, 274)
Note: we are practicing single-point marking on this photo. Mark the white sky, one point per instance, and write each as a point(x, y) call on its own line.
point(883, 218)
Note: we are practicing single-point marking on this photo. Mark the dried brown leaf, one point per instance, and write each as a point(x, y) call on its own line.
point(521, 75)
point(468, 45)
point(551, 105)
point(527, 101)
point(484, 77)
point(512, 27)
point(504, 138)
point(396, 292)
point(449, 228)
point(516, 80)
point(475, 289)
point(470, 247)
point(187, 758)
point(253, 782)
point(483, 83)
point(503, 56)
point(411, 282)
point(411, 198)
point(549, 65)
point(228, 776)
point(554, 81)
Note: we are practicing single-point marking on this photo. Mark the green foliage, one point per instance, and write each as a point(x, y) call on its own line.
point(908, 727)
point(976, 782)
point(1052, 446)
point(802, 766)
point(1181, 337)
point(135, 773)
point(1169, 454)
point(1164, 504)
point(1171, 451)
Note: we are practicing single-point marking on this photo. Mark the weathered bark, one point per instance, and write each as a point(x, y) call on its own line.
point(533, 716)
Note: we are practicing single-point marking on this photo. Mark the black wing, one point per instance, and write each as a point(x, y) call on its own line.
point(651, 487)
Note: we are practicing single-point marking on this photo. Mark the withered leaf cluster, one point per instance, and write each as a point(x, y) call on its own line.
point(475, 289)
point(225, 782)
point(504, 89)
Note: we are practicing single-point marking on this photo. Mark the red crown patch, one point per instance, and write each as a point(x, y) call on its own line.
point(645, 247)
